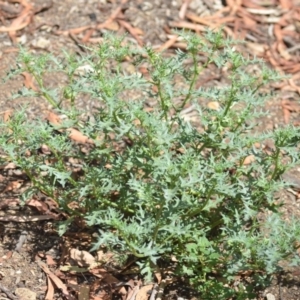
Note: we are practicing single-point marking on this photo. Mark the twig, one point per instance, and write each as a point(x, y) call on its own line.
point(131, 30)
point(23, 219)
point(77, 42)
point(8, 293)
point(168, 44)
point(161, 289)
point(293, 49)
point(183, 9)
point(154, 292)
point(113, 16)
point(187, 110)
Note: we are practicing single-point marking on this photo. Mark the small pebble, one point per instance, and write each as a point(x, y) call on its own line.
point(25, 294)
point(270, 296)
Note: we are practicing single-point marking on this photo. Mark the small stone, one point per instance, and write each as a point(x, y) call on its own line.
point(41, 43)
point(22, 39)
point(270, 296)
point(83, 70)
point(25, 294)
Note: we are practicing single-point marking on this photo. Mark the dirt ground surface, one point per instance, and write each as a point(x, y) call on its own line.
point(271, 31)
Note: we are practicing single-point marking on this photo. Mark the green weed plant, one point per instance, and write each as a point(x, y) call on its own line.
point(156, 186)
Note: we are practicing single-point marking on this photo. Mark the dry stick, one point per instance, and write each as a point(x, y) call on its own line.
point(26, 218)
point(5, 111)
point(99, 26)
point(219, 14)
point(203, 21)
point(293, 49)
point(187, 25)
point(77, 42)
point(234, 6)
point(23, 21)
point(180, 46)
point(87, 36)
point(183, 9)
point(131, 30)
point(168, 44)
point(74, 30)
point(161, 289)
point(187, 110)
point(90, 32)
point(154, 292)
point(8, 293)
point(112, 16)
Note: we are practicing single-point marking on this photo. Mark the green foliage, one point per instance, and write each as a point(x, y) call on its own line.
point(154, 184)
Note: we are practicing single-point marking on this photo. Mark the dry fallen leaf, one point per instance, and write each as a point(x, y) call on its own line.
point(22, 20)
point(50, 290)
point(53, 119)
point(257, 145)
point(28, 81)
point(97, 293)
point(83, 258)
point(158, 276)
point(78, 137)
point(45, 149)
point(108, 278)
point(52, 204)
point(74, 134)
point(9, 202)
point(10, 165)
point(7, 115)
point(143, 292)
point(249, 159)
point(132, 292)
point(50, 261)
point(214, 105)
point(41, 206)
point(55, 280)
point(8, 255)
point(13, 185)
point(288, 107)
point(114, 26)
